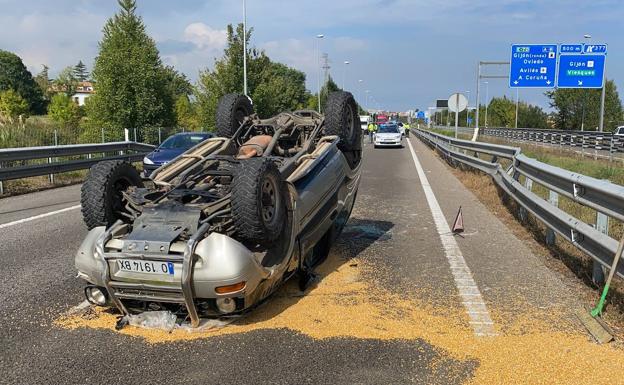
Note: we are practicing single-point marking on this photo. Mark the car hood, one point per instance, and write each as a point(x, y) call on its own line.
point(160, 156)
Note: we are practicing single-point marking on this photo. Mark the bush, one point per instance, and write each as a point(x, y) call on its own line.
point(64, 111)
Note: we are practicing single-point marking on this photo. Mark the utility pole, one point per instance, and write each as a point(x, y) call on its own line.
point(318, 67)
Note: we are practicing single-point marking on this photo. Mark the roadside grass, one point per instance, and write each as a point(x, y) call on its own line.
point(38, 183)
point(563, 257)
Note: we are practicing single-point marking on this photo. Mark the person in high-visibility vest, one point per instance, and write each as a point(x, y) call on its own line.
point(407, 129)
point(371, 131)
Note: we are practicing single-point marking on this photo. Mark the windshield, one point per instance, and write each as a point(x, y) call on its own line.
point(388, 129)
point(183, 141)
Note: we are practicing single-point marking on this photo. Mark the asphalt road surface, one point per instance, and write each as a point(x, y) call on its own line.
point(399, 300)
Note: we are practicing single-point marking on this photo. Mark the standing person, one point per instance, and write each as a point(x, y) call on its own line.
point(407, 129)
point(371, 130)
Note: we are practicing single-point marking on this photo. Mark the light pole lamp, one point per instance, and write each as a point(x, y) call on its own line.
point(344, 75)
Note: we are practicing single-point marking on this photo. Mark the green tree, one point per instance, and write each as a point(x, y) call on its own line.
point(530, 116)
point(272, 86)
point(64, 111)
point(281, 89)
point(186, 115)
point(501, 112)
point(15, 76)
point(12, 106)
point(580, 108)
point(80, 72)
point(132, 90)
point(43, 81)
point(66, 82)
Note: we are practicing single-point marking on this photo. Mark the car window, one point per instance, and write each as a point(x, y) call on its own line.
point(182, 141)
point(388, 129)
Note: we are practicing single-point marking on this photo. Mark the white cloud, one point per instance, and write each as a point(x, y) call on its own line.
point(205, 37)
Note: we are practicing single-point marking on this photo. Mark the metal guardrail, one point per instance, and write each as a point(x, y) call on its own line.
point(602, 141)
point(17, 158)
point(604, 197)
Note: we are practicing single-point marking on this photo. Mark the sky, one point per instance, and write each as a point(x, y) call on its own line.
point(406, 52)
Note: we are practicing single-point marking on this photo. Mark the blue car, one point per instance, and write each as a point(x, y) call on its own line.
point(171, 148)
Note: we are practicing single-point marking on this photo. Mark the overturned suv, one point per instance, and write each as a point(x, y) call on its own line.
point(218, 229)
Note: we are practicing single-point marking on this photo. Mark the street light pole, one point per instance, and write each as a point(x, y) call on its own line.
point(468, 109)
point(344, 75)
point(366, 106)
point(245, 47)
point(318, 68)
point(360, 90)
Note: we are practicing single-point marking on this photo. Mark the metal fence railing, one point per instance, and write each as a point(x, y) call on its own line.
point(24, 162)
point(600, 141)
point(605, 198)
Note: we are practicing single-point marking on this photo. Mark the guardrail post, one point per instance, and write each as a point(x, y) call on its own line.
point(50, 159)
point(599, 271)
point(1, 185)
point(551, 237)
point(523, 214)
point(103, 135)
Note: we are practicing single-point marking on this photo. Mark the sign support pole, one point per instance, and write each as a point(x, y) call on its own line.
point(517, 105)
point(456, 114)
point(602, 99)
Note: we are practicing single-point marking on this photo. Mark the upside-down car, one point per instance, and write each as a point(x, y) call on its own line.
point(218, 229)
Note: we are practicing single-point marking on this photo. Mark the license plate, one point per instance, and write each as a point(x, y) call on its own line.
point(147, 267)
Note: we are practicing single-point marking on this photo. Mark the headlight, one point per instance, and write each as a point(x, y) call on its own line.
point(147, 160)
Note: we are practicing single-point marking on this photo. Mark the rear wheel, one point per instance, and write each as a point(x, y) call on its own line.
point(258, 201)
point(101, 193)
point(342, 119)
point(231, 111)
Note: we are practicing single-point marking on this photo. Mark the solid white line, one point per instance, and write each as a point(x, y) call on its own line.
point(4, 225)
point(479, 315)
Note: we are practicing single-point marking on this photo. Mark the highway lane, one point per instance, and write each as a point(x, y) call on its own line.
point(386, 307)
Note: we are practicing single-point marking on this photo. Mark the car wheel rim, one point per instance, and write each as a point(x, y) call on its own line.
point(269, 200)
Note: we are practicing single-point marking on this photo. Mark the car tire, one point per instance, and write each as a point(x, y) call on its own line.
point(231, 111)
point(100, 195)
point(258, 201)
point(342, 120)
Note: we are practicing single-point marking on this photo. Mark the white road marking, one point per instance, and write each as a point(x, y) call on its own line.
point(467, 288)
point(5, 225)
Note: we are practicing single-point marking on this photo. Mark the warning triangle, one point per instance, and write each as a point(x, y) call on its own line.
point(458, 225)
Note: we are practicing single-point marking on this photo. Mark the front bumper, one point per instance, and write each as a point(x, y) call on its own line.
point(388, 143)
point(215, 261)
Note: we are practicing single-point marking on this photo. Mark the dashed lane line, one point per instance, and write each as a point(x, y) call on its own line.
point(29, 219)
point(467, 288)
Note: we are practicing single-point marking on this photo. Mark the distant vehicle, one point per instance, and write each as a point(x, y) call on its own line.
point(619, 131)
point(171, 148)
point(364, 120)
point(388, 135)
point(382, 119)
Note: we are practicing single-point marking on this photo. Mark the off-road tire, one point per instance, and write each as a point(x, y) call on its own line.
point(100, 195)
point(231, 111)
point(342, 119)
point(256, 187)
